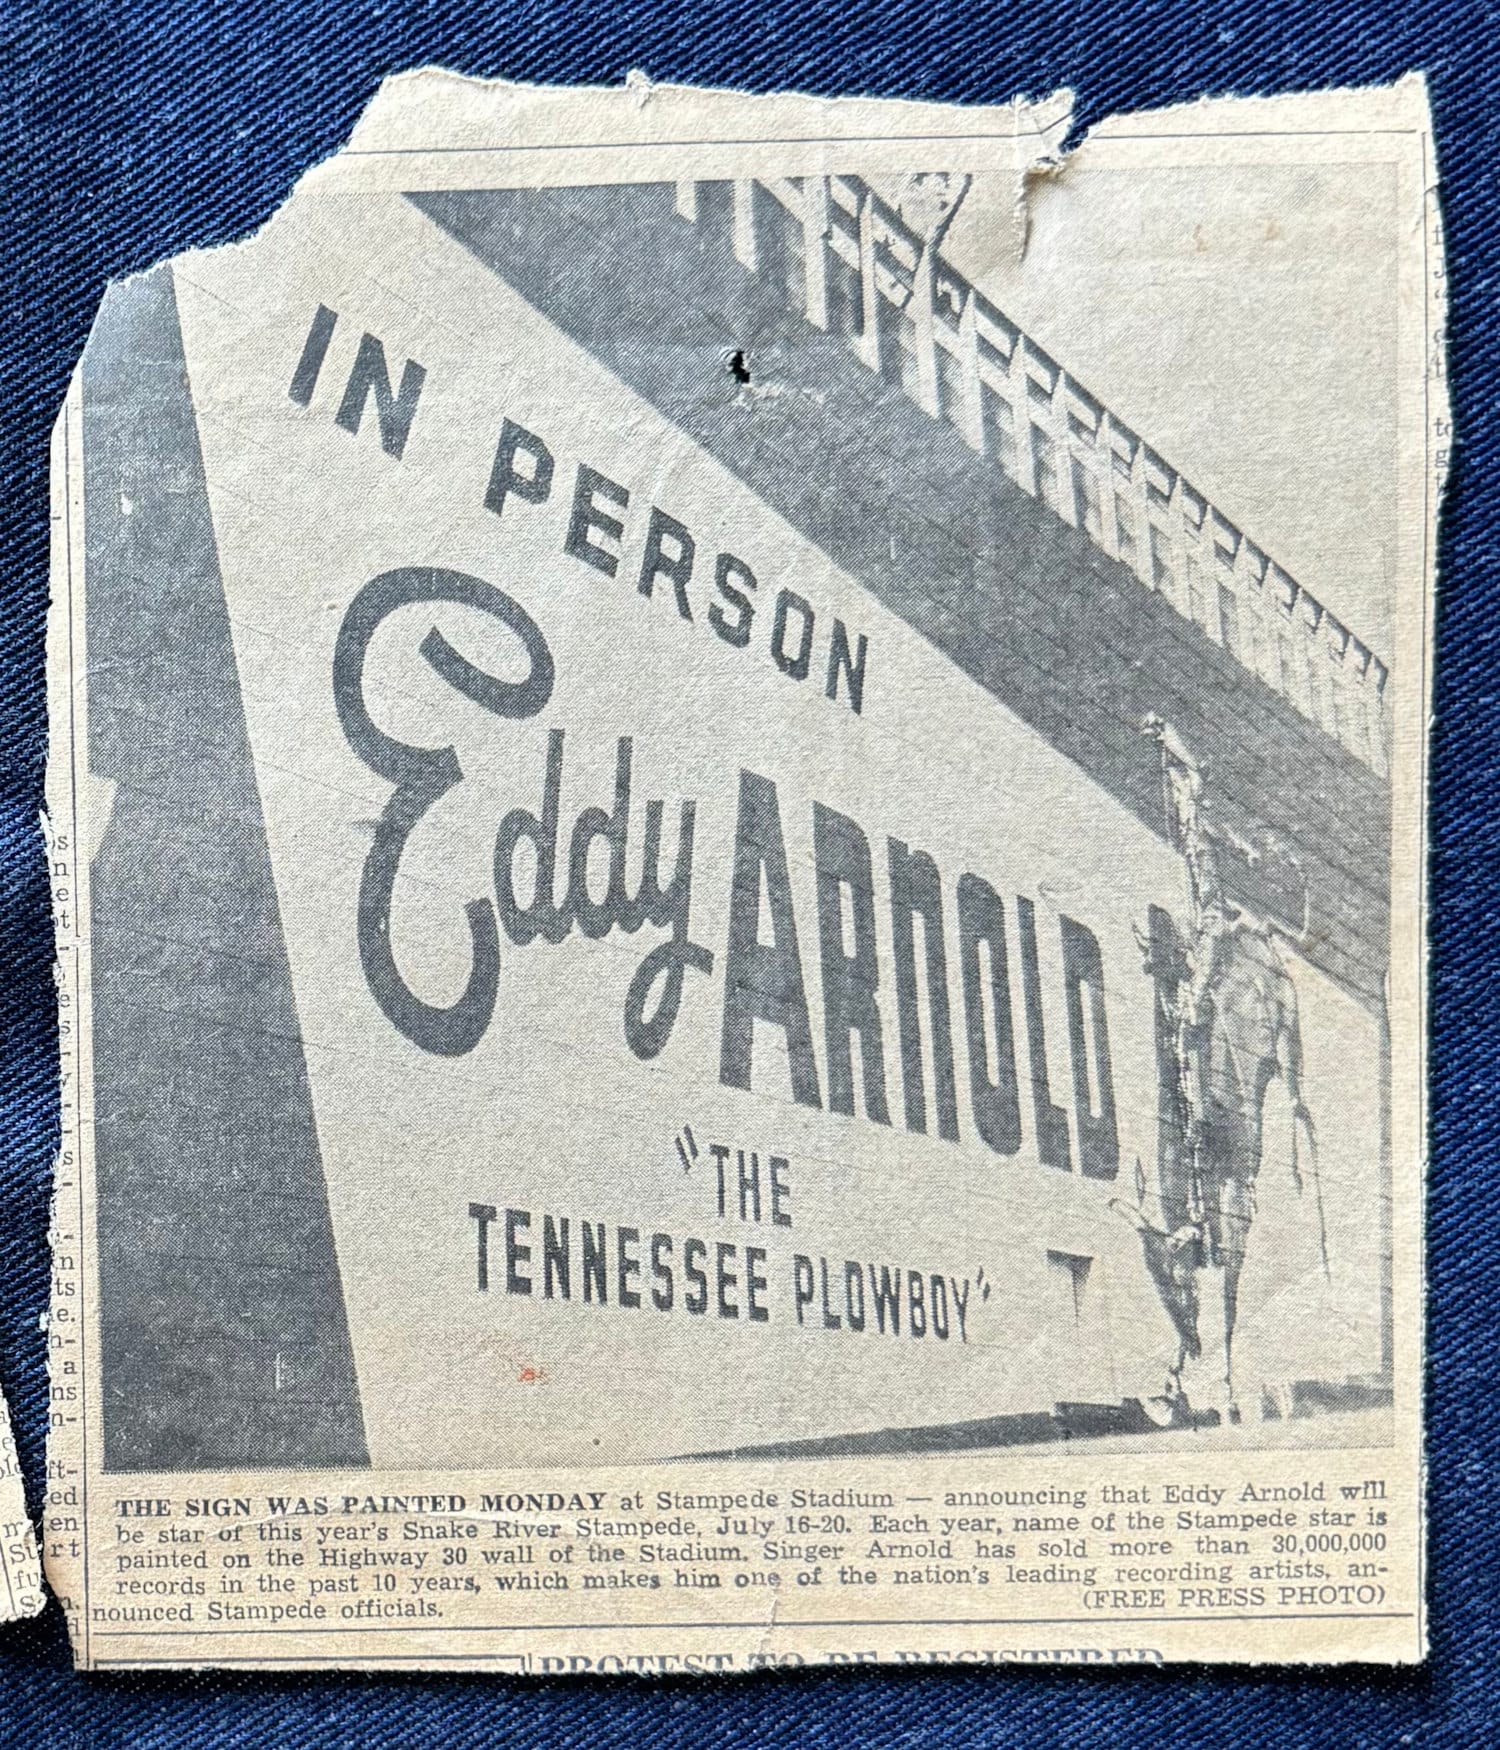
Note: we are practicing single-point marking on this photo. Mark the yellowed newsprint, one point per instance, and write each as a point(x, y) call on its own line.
point(737, 794)
point(20, 1567)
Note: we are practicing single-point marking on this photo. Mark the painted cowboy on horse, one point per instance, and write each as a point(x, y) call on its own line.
point(1227, 1026)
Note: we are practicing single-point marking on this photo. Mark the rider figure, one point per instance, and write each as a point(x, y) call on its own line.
point(1236, 1029)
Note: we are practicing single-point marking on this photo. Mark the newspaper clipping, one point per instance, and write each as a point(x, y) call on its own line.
point(737, 827)
point(20, 1567)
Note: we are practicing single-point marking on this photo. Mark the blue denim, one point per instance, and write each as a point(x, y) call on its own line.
point(133, 129)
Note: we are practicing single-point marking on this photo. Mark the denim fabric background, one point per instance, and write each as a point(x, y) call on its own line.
point(135, 128)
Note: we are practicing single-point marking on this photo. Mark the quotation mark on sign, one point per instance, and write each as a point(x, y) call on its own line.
point(981, 1284)
point(688, 1154)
